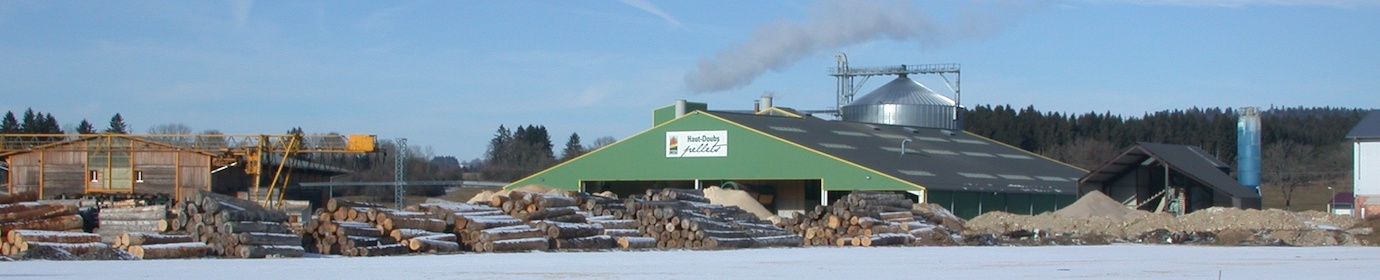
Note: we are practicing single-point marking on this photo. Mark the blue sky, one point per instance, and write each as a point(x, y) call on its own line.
point(446, 74)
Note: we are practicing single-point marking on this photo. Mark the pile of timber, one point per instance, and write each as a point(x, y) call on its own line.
point(122, 218)
point(482, 228)
point(861, 219)
point(529, 206)
point(20, 211)
point(151, 245)
point(235, 227)
point(684, 218)
point(354, 228)
point(78, 243)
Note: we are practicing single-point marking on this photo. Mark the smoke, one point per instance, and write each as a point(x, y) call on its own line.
point(833, 24)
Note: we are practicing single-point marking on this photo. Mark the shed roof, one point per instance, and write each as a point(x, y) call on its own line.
point(937, 159)
point(1368, 127)
point(1191, 161)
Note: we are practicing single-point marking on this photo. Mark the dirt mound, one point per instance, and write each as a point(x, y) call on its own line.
point(741, 199)
point(1002, 222)
point(1097, 204)
point(1220, 218)
point(48, 253)
point(1323, 219)
point(108, 254)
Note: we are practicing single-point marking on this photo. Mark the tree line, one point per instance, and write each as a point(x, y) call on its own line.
point(514, 154)
point(1300, 146)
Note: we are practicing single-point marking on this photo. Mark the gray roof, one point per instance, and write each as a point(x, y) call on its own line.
point(903, 91)
point(936, 159)
point(1191, 161)
point(1368, 127)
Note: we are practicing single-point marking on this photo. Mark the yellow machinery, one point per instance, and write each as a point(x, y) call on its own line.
point(251, 150)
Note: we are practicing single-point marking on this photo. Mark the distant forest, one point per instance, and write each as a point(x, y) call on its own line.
point(1300, 146)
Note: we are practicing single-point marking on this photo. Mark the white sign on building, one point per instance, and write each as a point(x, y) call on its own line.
point(708, 143)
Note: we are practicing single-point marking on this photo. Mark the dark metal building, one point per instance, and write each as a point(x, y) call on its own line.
point(1172, 178)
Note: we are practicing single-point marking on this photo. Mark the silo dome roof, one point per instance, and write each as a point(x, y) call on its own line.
point(903, 91)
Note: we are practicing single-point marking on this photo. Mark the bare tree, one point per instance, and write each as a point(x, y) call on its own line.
point(1084, 153)
point(600, 143)
point(1288, 165)
point(166, 133)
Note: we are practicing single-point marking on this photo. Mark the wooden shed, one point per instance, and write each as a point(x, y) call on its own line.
point(109, 164)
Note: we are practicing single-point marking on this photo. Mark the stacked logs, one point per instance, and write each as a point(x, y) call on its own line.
point(115, 221)
point(684, 218)
point(78, 243)
point(483, 228)
point(239, 228)
point(860, 219)
point(529, 206)
point(149, 246)
point(21, 212)
point(353, 228)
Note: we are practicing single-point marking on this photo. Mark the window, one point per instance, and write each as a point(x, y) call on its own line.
point(95, 176)
point(138, 176)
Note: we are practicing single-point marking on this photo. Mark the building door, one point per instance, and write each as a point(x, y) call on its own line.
point(110, 166)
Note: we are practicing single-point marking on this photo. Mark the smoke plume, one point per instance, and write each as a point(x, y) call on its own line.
point(830, 25)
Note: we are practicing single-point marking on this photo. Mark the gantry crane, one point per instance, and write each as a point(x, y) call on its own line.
point(250, 150)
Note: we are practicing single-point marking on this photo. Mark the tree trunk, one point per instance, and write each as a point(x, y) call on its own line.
point(559, 230)
point(157, 212)
point(510, 232)
point(595, 242)
point(516, 245)
point(383, 250)
point(59, 223)
point(27, 212)
point(629, 242)
point(22, 235)
point(265, 227)
point(170, 251)
point(257, 238)
point(25, 196)
point(145, 238)
point(433, 245)
point(256, 251)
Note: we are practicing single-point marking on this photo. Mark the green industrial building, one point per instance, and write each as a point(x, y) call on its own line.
point(793, 161)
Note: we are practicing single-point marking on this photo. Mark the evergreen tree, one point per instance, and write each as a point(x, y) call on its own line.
point(573, 148)
point(9, 124)
point(117, 125)
point(30, 124)
point(85, 127)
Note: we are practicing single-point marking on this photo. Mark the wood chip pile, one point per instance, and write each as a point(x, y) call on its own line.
point(25, 224)
point(862, 219)
point(235, 227)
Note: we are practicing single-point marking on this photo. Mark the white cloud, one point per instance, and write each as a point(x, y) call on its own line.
point(239, 11)
point(652, 9)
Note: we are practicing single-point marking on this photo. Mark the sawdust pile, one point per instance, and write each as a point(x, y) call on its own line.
point(741, 199)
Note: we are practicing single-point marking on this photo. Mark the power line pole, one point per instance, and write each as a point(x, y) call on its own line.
point(399, 170)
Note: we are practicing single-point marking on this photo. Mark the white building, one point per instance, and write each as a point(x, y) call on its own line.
point(1365, 139)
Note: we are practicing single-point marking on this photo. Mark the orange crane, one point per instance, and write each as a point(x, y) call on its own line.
point(251, 150)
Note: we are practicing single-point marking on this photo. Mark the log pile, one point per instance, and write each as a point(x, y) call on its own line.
point(21, 212)
point(22, 240)
point(353, 228)
point(115, 221)
point(684, 218)
point(234, 227)
point(148, 245)
point(862, 219)
point(482, 228)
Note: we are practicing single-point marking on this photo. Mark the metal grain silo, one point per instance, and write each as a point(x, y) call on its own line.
point(904, 102)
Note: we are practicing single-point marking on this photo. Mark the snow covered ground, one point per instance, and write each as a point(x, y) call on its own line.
point(1047, 262)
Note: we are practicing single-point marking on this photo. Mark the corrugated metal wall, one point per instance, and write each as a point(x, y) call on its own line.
point(968, 205)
